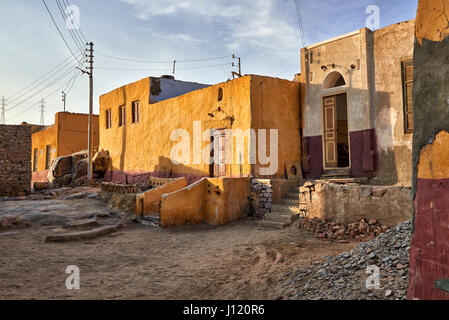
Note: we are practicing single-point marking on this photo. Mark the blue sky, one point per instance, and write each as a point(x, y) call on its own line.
point(263, 33)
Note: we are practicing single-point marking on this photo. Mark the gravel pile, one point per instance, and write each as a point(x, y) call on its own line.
point(344, 277)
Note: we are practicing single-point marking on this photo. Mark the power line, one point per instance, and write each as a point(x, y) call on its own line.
point(78, 29)
point(59, 31)
point(51, 70)
point(167, 69)
point(44, 80)
point(166, 61)
point(78, 41)
point(47, 86)
point(34, 104)
point(300, 24)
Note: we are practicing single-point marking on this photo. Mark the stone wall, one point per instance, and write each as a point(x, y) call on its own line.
point(261, 197)
point(15, 160)
point(348, 203)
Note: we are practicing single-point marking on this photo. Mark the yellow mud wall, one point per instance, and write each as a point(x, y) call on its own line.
point(39, 141)
point(73, 132)
point(145, 146)
point(215, 201)
point(185, 206)
point(151, 198)
point(275, 104)
point(226, 200)
point(438, 13)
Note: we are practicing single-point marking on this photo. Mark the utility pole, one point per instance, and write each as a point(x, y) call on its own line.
point(91, 101)
point(239, 74)
point(64, 97)
point(3, 110)
point(42, 108)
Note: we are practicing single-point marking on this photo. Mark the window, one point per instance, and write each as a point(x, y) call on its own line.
point(47, 157)
point(135, 111)
point(220, 94)
point(35, 160)
point(121, 116)
point(108, 119)
point(407, 88)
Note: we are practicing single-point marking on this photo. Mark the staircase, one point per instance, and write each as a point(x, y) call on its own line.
point(283, 214)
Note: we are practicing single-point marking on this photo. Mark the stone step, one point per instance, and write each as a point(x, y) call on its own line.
point(271, 224)
point(281, 217)
point(292, 195)
point(285, 208)
point(290, 202)
point(296, 190)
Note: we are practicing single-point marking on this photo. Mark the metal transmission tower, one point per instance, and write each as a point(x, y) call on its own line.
point(3, 110)
point(42, 110)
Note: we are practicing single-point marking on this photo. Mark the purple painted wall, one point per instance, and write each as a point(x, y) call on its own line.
point(363, 152)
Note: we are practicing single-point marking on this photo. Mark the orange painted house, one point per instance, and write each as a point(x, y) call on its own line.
point(142, 132)
point(66, 136)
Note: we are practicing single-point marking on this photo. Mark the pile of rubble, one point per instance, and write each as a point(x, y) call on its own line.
point(332, 231)
point(377, 269)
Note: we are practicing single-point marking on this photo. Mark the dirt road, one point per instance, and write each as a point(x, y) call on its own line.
point(237, 261)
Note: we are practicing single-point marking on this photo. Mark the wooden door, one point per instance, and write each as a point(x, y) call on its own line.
point(330, 132)
point(218, 168)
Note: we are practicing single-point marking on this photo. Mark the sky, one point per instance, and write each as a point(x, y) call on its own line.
point(263, 33)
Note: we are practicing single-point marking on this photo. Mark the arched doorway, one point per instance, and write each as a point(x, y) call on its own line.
point(335, 125)
point(334, 79)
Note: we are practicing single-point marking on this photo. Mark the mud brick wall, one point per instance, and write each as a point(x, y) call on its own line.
point(15, 160)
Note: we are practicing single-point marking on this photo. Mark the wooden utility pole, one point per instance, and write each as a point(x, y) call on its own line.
point(239, 74)
point(91, 101)
point(64, 98)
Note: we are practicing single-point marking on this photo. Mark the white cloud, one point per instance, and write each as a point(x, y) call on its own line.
point(246, 24)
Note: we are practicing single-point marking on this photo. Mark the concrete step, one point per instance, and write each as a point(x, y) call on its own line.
point(290, 202)
point(285, 208)
point(271, 224)
point(281, 217)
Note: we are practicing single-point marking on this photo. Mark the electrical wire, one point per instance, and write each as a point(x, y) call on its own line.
point(79, 29)
point(300, 25)
point(59, 31)
point(34, 104)
point(47, 86)
point(147, 70)
point(73, 34)
point(46, 78)
point(34, 82)
point(166, 61)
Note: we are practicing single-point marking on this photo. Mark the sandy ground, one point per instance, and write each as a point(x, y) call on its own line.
point(237, 261)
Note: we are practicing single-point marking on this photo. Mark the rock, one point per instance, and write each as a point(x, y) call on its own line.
point(67, 180)
point(58, 168)
point(388, 293)
point(101, 162)
point(80, 169)
point(37, 186)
